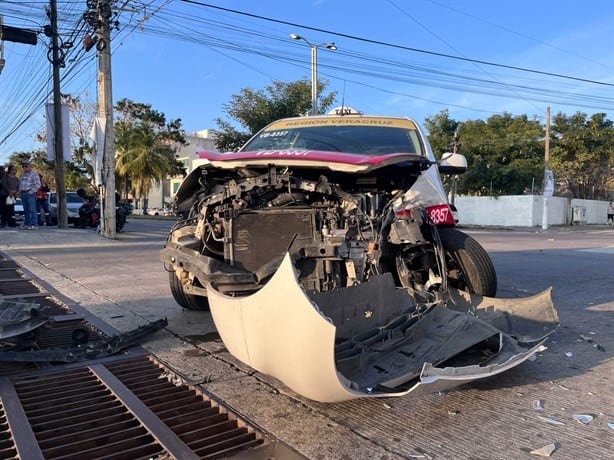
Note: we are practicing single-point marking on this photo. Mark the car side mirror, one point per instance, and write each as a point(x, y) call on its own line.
point(452, 163)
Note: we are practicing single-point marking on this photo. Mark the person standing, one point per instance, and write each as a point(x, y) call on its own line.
point(611, 213)
point(42, 203)
point(29, 183)
point(11, 186)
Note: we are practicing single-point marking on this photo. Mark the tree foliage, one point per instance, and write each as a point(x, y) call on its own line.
point(582, 154)
point(253, 109)
point(145, 147)
point(505, 154)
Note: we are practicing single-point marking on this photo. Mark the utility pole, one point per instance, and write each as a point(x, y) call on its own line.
point(60, 186)
point(455, 176)
point(548, 177)
point(105, 111)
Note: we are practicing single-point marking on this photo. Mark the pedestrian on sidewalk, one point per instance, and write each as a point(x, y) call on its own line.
point(29, 183)
point(611, 213)
point(42, 203)
point(10, 187)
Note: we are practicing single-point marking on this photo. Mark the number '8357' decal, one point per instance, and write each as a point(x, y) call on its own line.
point(440, 214)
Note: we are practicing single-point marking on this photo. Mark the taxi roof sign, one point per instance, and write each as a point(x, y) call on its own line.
point(343, 110)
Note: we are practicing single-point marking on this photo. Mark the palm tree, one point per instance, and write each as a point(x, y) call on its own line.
point(143, 158)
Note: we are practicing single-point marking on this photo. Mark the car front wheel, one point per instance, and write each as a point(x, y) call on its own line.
point(469, 266)
point(187, 301)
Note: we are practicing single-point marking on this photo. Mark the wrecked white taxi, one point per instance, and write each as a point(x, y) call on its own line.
point(327, 253)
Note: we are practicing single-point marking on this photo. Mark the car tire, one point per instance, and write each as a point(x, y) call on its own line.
point(187, 301)
point(469, 265)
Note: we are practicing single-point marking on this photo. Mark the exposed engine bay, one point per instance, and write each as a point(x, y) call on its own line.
point(340, 233)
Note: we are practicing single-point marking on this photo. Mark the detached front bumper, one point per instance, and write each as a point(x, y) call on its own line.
point(373, 340)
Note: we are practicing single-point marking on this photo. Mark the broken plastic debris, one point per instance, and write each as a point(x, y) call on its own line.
point(569, 354)
point(550, 420)
point(586, 338)
point(545, 451)
point(453, 412)
point(611, 425)
point(563, 387)
point(584, 419)
point(387, 406)
point(538, 404)
point(599, 347)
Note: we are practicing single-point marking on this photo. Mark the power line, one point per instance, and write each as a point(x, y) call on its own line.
point(392, 45)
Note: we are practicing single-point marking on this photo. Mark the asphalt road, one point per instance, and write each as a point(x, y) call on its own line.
point(125, 284)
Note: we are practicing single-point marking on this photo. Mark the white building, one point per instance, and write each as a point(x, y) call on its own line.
point(162, 195)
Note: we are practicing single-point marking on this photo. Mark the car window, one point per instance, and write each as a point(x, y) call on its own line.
point(364, 140)
point(71, 197)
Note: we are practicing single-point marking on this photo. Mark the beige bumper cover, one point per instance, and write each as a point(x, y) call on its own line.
point(280, 331)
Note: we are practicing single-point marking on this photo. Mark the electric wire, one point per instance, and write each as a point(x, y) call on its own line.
point(232, 34)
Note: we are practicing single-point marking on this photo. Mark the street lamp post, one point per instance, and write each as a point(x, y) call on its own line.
point(314, 68)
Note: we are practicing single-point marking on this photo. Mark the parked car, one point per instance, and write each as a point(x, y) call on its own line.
point(158, 212)
point(327, 252)
point(73, 203)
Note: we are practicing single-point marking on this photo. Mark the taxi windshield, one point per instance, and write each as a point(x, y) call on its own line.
point(359, 139)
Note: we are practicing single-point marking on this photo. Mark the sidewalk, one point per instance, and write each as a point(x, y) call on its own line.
point(49, 235)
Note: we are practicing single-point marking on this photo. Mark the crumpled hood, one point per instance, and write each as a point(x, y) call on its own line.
point(351, 163)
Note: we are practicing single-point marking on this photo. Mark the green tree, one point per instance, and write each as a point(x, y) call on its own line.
point(504, 153)
point(509, 152)
point(145, 147)
point(441, 130)
point(582, 154)
point(254, 109)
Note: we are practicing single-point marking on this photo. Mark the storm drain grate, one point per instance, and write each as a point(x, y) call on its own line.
point(7, 446)
point(129, 408)
point(10, 274)
point(206, 428)
point(50, 305)
point(74, 415)
point(66, 334)
point(7, 263)
point(13, 287)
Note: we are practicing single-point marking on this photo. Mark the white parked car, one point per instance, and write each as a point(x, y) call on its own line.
point(158, 212)
point(73, 203)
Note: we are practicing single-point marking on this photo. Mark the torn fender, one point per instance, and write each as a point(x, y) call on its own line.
point(281, 331)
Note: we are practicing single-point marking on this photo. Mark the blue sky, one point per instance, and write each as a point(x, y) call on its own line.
point(187, 60)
